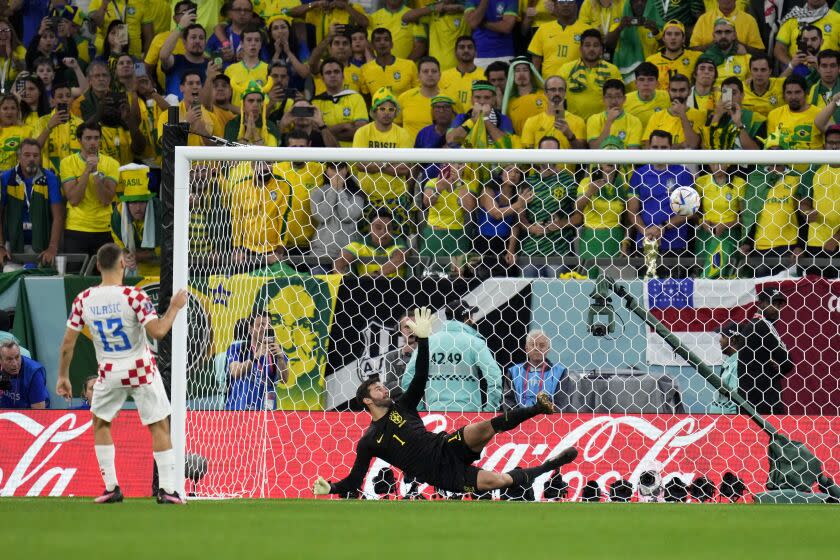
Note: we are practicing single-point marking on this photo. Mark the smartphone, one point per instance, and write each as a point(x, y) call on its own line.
point(726, 96)
point(195, 103)
point(291, 93)
point(55, 21)
point(635, 21)
point(303, 112)
point(341, 29)
point(139, 69)
point(218, 61)
point(122, 34)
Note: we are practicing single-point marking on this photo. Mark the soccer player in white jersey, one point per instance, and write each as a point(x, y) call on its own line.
point(119, 318)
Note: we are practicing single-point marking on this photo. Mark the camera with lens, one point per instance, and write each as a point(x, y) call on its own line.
point(802, 45)
point(650, 483)
point(601, 315)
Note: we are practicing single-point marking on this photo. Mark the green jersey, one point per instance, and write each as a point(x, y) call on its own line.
point(553, 195)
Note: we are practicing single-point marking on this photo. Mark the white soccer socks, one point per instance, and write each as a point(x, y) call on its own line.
point(166, 469)
point(105, 458)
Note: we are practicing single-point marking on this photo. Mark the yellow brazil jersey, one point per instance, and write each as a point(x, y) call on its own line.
point(19, 59)
point(542, 125)
point(400, 76)
point(116, 143)
point(90, 215)
point(737, 65)
point(829, 24)
point(259, 213)
point(745, 27)
point(683, 64)
point(721, 204)
point(210, 121)
point(322, 19)
point(520, 109)
point(153, 54)
point(10, 139)
point(766, 102)
point(593, 14)
point(363, 250)
point(446, 212)
point(344, 108)
point(627, 127)
point(583, 86)
point(777, 224)
point(32, 120)
point(299, 225)
point(642, 109)
point(664, 120)
point(352, 80)
point(134, 13)
point(543, 14)
point(403, 34)
point(605, 207)
point(380, 187)
point(825, 192)
point(61, 142)
point(240, 75)
point(444, 29)
point(415, 112)
point(557, 45)
point(703, 102)
point(798, 128)
point(266, 9)
point(160, 13)
point(459, 86)
point(223, 116)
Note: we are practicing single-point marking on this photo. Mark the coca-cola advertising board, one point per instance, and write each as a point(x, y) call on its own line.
point(277, 455)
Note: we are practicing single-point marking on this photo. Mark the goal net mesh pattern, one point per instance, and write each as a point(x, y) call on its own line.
point(302, 274)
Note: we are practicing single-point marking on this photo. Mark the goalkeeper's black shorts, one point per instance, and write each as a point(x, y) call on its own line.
point(456, 472)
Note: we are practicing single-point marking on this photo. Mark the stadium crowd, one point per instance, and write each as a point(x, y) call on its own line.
point(86, 85)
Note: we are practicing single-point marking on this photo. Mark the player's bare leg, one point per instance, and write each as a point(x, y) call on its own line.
point(478, 435)
point(103, 445)
point(165, 460)
point(489, 480)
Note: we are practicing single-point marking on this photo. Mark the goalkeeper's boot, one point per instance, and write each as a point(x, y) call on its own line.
point(563, 458)
point(110, 496)
point(164, 497)
point(545, 403)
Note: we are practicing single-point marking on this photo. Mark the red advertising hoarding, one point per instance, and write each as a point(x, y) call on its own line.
point(255, 454)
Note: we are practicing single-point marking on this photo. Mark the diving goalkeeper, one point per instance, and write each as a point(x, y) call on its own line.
point(444, 460)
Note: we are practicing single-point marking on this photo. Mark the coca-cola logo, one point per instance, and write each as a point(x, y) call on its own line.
point(596, 440)
point(32, 475)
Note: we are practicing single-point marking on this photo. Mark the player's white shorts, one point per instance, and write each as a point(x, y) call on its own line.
point(111, 391)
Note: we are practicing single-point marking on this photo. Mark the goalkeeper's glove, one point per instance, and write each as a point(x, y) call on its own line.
point(321, 487)
point(421, 326)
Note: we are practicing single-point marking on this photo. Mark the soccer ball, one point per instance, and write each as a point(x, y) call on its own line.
point(685, 201)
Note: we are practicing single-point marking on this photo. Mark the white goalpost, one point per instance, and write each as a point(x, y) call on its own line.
point(266, 363)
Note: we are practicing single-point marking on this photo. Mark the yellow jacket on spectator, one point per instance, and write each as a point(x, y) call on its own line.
point(459, 86)
point(766, 102)
point(683, 64)
point(583, 86)
point(352, 80)
point(90, 215)
point(737, 66)
point(415, 112)
point(542, 125)
point(557, 45)
point(746, 28)
point(10, 139)
point(61, 142)
point(799, 128)
point(644, 110)
point(259, 211)
point(626, 127)
point(825, 193)
point(382, 188)
point(400, 76)
point(520, 109)
point(241, 75)
point(299, 227)
point(664, 120)
point(444, 29)
point(135, 13)
point(403, 34)
point(829, 24)
point(347, 107)
point(721, 204)
point(594, 15)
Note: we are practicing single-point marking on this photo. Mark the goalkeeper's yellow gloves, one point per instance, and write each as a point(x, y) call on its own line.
point(321, 487)
point(421, 326)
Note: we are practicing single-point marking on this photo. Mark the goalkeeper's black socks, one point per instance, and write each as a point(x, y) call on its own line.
point(512, 418)
point(525, 477)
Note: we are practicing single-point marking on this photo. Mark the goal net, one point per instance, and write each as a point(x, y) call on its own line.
point(302, 264)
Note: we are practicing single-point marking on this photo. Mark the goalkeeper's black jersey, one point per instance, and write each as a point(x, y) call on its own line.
point(399, 437)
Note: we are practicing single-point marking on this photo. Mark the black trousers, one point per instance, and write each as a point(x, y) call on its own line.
point(85, 242)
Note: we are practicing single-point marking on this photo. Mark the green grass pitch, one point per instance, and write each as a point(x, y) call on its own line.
point(67, 529)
